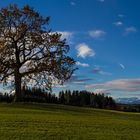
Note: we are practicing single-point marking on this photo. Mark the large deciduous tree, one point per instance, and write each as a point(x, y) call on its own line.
point(30, 52)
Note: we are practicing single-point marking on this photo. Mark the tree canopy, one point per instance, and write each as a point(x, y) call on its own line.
point(30, 52)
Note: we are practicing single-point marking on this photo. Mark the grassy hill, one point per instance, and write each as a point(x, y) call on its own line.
point(58, 122)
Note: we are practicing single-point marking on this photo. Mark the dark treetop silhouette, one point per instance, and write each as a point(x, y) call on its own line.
point(29, 52)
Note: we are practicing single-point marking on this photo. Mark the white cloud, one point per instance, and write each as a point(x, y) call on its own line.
point(118, 23)
point(128, 85)
point(84, 50)
point(65, 34)
point(131, 29)
point(122, 66)
point(97, 34)
point(82, 64)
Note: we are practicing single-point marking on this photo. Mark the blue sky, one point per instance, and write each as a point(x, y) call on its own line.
point(104, 39)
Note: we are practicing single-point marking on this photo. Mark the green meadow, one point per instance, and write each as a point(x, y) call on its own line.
point(59, 122)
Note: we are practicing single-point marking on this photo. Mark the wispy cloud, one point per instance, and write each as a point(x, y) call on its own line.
point(130, 29)
point(121, 15)
point(78, 80)
point(83, 50)
point(128, 85)
point(122, 66)
point(72, 3)
point(66, 34)
point(97, 34)
point(101, 0)
point(105, 91)
point(118, 23)
point(60, 86)
point(82, 64)
point(98, 70)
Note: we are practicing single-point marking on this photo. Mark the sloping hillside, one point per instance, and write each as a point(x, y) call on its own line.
point(58, 122)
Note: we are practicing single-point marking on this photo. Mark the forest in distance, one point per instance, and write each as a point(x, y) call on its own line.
point(74, 98)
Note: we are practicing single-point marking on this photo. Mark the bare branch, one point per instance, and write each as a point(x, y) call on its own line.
point(30, 51)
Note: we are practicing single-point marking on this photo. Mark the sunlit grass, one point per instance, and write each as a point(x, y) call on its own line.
point(47, 122)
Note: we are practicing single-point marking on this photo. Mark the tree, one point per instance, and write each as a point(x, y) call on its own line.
point(30, 52)
point(62, 97)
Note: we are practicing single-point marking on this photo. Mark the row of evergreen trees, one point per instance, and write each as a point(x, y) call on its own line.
point(75, 98)
point(85, 98)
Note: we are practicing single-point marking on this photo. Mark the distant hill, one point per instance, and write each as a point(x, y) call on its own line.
point(132, 100)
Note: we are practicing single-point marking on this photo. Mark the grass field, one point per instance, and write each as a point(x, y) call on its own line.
point(58, 122)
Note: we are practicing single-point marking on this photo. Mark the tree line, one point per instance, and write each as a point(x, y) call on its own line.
point(86, 98)
point(74, 98)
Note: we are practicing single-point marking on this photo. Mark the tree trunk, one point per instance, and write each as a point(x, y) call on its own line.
point(17, 86)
